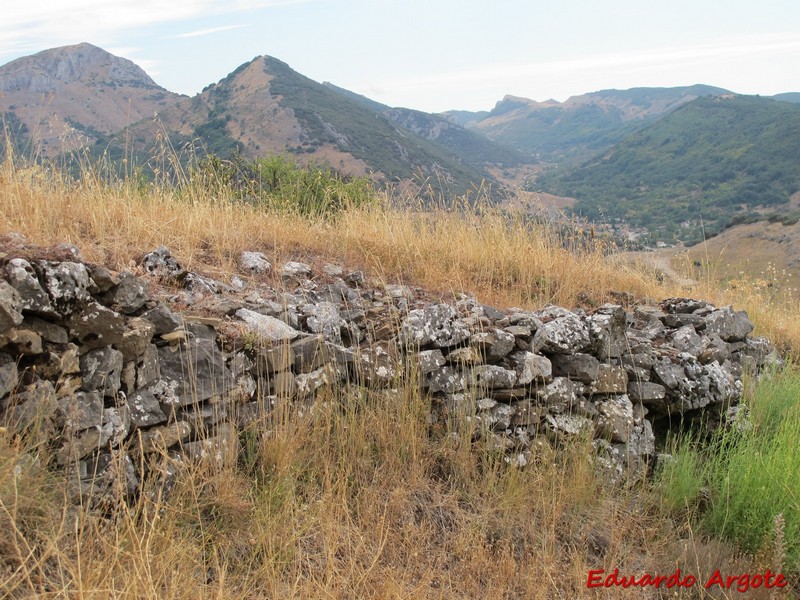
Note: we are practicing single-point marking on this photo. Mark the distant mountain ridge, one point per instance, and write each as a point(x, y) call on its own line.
point(575, 129)
point(82, 96)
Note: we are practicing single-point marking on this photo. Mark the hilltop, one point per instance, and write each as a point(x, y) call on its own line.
point(67, 97)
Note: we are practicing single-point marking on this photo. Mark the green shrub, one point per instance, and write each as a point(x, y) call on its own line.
point(278, 182)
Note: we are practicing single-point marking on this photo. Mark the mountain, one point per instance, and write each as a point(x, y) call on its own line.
point(713, 161)
point(473, 148)
point(580, 126)
point(66, 97)
point(788, 97)
point(266, 107)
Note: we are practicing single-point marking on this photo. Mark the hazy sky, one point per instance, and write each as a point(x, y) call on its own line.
point(434, 55)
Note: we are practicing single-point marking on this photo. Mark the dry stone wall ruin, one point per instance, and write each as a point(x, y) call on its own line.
point(109, 374)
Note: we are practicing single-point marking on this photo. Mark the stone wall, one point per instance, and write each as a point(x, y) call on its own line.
point(91, 360)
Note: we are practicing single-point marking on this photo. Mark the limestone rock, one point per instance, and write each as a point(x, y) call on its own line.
point(686, 339)
point(94, 326)
point(36, 401)
point(164, 436)
point(378, 365)
point(561, 392)
point(428, 360)
point(164, 320)
point(295, 271)
point(49, 332)
point(610, 380)
point(309, 353)
point(530, 367)
point(668, 374)
point(147, 367)
point(254, 263)
point(607, 328)
point(448, 379)
point(101, 369)
point(493, 345)
point(728, 324)
point(436, 325)
point(10, 307)
point(221, 448)
point(22, 276)
point(144, 409)
point(67, 283)
point(324, 318)
point(558, 426)
point(8, 374)
point(616, 420)
point(492, 377)
point(160, 263)
point(192, 372)
point(646, 392)
point(80, 411)
point(129, 295)
point(271, 329)
point(563, 333)
point(578, 367)
point(116, 424)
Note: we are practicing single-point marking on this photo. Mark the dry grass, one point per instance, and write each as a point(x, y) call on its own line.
point(503, 260)
point(359, 499)
point(355, 500)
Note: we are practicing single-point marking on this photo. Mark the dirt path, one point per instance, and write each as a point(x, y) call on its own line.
point(658, 260)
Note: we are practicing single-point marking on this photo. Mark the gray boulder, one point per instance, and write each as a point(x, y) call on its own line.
point(730, 325)
point(254, 263)
point(22, 276)
point(192, 372)
point(101, 369)
point(436, 324)
point(269, 328)
point(564, 332)
point(10, 307)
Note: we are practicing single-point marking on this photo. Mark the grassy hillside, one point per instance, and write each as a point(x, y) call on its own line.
point(361, 498)
point(694, 171)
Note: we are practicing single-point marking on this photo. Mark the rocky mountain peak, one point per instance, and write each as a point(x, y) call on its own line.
point(50, 70)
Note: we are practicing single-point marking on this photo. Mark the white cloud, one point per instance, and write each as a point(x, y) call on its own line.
point(658, 58)
point(46, 23)
point(700, 63)
point(201, 32)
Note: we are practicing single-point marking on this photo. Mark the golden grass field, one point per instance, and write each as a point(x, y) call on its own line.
point(356, 499)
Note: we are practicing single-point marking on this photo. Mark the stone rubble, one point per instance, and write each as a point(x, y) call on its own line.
point(108, 373)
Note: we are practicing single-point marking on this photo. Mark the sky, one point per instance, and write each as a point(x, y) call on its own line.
point(434, 55)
